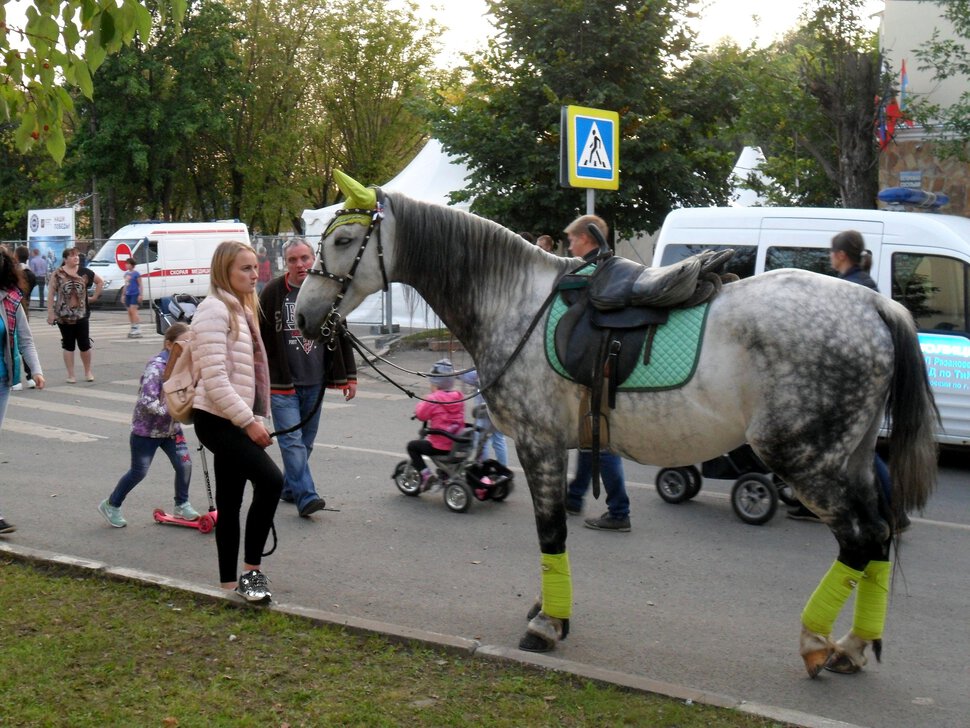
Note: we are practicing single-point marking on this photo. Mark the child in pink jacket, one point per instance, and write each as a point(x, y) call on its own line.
point(444, 410)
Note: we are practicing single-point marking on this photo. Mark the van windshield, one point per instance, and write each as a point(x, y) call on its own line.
point(107, 254)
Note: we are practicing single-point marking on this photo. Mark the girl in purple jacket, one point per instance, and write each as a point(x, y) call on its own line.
point(153, 428)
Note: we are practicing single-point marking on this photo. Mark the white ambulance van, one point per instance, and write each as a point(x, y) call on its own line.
point(173, 257)
point(920, 259)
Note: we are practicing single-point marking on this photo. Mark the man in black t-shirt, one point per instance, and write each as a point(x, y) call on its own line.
point(298, 369)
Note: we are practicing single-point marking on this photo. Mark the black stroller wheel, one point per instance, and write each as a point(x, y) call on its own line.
point(754, 498)
point(785, 493)
point(674, 484)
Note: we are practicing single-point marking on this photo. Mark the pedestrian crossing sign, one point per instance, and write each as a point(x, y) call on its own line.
point(590, 150)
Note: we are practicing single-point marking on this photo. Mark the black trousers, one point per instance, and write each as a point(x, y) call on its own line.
point(237, 459)
point(417, 448)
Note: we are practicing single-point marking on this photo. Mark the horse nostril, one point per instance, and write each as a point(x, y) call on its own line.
point(301, 321)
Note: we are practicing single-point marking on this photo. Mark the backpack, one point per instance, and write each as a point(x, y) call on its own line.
point(72, 297)
point(179, 380)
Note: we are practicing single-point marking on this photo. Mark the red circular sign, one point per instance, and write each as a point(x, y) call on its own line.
point(122, 253)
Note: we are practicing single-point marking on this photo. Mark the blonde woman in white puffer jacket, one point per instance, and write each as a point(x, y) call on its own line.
point(231, 400)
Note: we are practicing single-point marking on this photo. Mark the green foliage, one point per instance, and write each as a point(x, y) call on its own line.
point(374, 70)
point(807, 101)
point(146, 136)
point(948, 58)
point(73, 38)
point(504, 123)
point(27, 181)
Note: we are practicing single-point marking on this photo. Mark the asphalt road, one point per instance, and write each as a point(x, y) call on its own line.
point(691, 596)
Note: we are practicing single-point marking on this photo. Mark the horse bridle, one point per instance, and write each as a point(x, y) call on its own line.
point(329, 326)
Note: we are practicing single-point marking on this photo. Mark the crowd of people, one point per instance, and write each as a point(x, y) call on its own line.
point(252, 363)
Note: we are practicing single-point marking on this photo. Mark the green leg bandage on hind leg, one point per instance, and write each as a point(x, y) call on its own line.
point(872, 601)
point(830, 596)
point(557, 586)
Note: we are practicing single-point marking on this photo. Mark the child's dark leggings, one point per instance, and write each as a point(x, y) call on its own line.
point(237, 459)
point(417, 448)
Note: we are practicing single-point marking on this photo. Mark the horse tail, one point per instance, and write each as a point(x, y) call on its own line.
point(913, 414)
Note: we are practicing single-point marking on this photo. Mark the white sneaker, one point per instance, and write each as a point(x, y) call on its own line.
point(186, 512)
point(31, 384)
point(17, 387)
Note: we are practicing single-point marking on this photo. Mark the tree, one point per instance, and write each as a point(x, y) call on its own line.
point(373, 73)
point(948, 57)
point(840, 69)
point(807, 101)
point(27, 181)
point(70, 38)
point(609, 55)
point(145, 136)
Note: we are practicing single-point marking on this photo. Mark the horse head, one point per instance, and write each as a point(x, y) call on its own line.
point(350, 261)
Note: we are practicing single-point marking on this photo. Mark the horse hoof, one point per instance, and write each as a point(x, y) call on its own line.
point(841, 664)
point(815, 661)
point(815, 650)
point(850, 654)
point(534, 643)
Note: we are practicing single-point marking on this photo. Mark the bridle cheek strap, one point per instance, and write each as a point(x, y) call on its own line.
point(329, 326)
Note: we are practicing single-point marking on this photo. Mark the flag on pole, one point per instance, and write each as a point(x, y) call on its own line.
point(903, 84)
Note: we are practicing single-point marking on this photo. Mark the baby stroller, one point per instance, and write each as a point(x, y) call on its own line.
point(171, 309)
point(756, 491)
point(462, 474)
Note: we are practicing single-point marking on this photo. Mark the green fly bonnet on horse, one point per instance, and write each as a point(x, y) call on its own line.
point(358, 207)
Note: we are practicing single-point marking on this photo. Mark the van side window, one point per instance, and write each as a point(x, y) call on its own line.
point(934, 289)
point(742, 264)
point(139, 252)
point(813, 259)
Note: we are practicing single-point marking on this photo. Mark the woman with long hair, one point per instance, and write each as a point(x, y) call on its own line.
point(16, 340)
point(67, 306)
point(231, 400)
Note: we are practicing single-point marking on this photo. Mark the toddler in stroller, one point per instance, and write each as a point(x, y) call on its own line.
point(448, 452)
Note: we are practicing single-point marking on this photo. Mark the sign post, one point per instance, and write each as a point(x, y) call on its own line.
point(589, 154)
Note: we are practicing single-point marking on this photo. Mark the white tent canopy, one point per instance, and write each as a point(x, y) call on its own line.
point(430, 177)
point(749, 161)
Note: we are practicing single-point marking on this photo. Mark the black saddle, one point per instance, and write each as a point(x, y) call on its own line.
point(613, 316)
point(620, 283)
point(581, 332)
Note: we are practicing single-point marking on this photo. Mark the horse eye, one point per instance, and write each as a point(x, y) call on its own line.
point(342, 241)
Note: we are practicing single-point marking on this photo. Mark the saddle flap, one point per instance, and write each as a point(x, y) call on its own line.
point(629, 318)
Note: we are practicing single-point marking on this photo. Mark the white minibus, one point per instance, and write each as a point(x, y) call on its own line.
point(173, 257)
point(920, 259)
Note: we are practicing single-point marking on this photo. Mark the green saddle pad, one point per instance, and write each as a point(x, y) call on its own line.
point(673, 356)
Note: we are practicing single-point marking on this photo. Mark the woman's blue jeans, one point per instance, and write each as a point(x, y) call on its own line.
point(142, 453)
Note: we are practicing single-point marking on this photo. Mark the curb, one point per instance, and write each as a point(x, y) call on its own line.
point(448, 643)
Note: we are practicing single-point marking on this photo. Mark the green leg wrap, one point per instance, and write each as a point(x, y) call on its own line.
point(830, 596)
point(557, 586)
point(872, 601)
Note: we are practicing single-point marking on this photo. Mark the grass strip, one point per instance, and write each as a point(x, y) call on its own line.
point(85, 650)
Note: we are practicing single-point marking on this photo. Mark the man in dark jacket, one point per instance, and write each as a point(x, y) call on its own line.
point(583, 245)
point(298, 369)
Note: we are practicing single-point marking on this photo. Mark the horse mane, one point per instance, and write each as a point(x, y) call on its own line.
point(468, 258)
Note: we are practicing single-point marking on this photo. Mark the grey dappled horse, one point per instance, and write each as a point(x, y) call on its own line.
point(802, 366)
